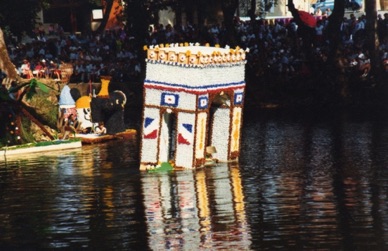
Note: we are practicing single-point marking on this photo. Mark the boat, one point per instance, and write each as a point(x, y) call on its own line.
point(93, 138)
point(209, 162)
point(46, 146)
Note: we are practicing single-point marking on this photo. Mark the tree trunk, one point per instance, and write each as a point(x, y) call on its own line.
point(252, 11)
point(201, 10)
point(304, 31)
point(37, 122)
point(108, 9)
point(138, 21)
point(334, 28)
point(372, 41)
point(229, 8)
point(178, 16)
point(5, 62)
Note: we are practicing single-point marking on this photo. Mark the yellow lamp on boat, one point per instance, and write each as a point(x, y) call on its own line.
point(104, 93)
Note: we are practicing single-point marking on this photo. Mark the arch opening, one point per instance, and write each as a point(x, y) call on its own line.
point(167, 146)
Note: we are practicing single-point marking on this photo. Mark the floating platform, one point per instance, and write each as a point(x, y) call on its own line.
point(92, 138)
point(48, 146)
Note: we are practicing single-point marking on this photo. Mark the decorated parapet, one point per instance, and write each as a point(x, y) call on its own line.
point(193, 99)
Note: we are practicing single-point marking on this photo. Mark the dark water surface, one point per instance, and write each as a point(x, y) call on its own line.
point(304, 182)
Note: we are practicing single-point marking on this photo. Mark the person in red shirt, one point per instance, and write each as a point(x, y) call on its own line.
point(38, 70)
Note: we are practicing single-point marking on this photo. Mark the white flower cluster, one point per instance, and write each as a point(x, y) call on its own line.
point(190, 78)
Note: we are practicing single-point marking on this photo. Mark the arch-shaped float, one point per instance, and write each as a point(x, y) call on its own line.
point(193, 98)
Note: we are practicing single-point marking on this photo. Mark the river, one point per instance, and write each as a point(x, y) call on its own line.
point(305, 181)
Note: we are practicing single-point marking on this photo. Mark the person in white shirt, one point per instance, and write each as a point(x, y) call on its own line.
point(100, 129)
point(25, 69)
point(318, 12)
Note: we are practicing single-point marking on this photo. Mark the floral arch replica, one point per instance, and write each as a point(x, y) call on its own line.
point(193, 98)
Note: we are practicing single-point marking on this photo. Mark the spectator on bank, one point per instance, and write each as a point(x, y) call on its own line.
point(54, 70)
point(100, 129)
point(319, 33)
point(381, 30)
point(25, 69)
point(38, 70)
point(327, 12)
point(46, 72)
point(318, 12)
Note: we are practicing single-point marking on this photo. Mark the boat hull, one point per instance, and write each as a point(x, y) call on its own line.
point(37, 149)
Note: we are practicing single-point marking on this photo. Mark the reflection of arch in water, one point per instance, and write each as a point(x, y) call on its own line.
point(226, 195)
point(183, 209)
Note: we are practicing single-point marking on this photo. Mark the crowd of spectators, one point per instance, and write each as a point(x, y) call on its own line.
point(278, 48)
point(275, 47)
point(110, 53)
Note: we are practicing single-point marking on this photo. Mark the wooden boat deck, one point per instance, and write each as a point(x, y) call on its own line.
point(92, 138)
